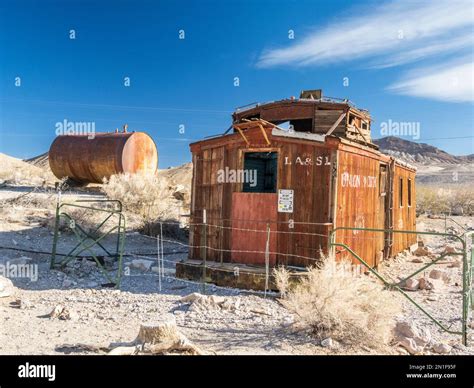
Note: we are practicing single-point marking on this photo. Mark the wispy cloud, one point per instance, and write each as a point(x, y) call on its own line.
point(449, 82)
point(392, 34)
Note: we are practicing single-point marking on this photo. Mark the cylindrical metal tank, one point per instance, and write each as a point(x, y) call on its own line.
point(87, 159)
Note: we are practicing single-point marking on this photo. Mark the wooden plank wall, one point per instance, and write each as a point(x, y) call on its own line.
point(310, 183)
point(404, 216)
point(307, 169)
point(358, 205)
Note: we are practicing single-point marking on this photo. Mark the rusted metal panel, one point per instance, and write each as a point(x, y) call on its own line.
point(88, 159)
point(260, 209)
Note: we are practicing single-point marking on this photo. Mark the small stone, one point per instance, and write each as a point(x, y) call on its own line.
point(410, 345)
point(440, 275)
point(449, 248)
point(288, 321)
point(436, 274)
point(67, 282)
point(424, 284)
point(417, 260)
point(141, 264)
point(421, 251)
point(421, 336)
point(6, 287)
point(455, 264)
point(329, 343)
point(442, 348)
point(411, 285)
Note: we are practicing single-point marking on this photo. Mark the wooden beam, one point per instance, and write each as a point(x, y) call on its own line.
point(334, 126)
point(242, 134)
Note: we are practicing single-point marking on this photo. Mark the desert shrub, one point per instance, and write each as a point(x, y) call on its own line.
point(335, 301)
point(448, 199)
point(138, 193)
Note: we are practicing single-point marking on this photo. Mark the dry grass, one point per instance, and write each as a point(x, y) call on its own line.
point(148, 200)
point(446, 199)
point(335, 302)
point(138, 193)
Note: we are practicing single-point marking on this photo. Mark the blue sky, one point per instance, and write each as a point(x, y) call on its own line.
point(405, 62)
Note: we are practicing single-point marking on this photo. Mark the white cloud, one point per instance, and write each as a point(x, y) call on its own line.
point(403, 31)
point(450, 82)
point(394, 34)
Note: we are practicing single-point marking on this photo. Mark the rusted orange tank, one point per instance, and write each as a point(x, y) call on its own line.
point(88, 160)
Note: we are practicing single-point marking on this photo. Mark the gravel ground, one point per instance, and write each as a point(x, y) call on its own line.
point(101, 316)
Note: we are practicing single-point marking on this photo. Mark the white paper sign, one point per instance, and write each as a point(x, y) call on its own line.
point(285, 201)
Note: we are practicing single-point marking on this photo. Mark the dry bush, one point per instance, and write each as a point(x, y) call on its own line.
point(334, 301)
point(149, 200)
point(138, 193)
point(281, 277)
point(448, 199)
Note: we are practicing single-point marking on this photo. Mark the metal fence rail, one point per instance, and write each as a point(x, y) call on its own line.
point(467, 272)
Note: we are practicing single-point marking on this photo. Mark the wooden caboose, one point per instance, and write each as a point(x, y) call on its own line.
point(271, 191)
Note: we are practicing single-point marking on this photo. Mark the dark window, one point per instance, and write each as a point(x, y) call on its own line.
point(302, 125)
point(260, 172)
point(409, 192)
point(400, 192)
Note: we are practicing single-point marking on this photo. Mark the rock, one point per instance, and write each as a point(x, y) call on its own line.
point(449, 248)
point(421, 251)
point(141, 264)
point(402, 351)
point(6, 287)
point(455, 264)
point(457, 211)
point(21, 304)
point(61, 312)
point(421, 336)
point(439, 274)
point(417, 260)
point(191, 297)
point(441, 348)
point(410, 345)
point(67, 282)
point(432, 298)
point(424, 284)
point(329, 343)
point(288, 321)
point(411, 285)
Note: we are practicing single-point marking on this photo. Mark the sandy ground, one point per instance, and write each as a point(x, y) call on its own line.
point(102, 316)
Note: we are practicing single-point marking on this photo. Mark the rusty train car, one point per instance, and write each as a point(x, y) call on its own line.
point(315, 169)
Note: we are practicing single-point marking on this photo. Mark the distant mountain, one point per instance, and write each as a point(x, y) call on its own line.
point(434, 166)
point(418, 153)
